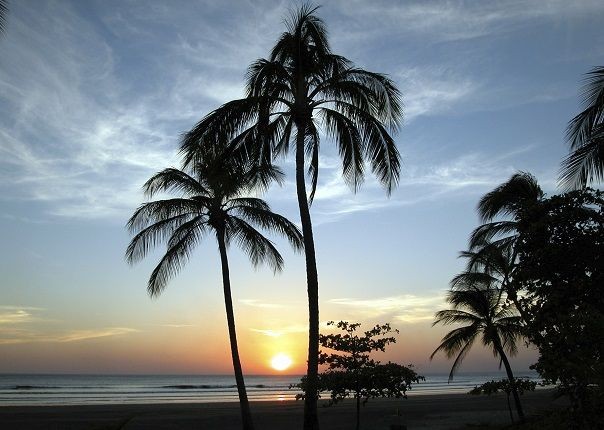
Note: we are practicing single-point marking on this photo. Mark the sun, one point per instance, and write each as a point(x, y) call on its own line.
point(281, 362)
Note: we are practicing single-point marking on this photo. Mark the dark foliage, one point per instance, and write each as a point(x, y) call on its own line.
point(521, 385)
point(561, 266)
point(352, 373)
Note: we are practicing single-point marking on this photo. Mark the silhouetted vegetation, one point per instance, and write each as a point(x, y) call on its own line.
point(585, 134)
point(560, 265)
point(482, 313)
point(301, 87)
point(351, 372)
point(505, 385)
point(212, 200)
point(543, 257)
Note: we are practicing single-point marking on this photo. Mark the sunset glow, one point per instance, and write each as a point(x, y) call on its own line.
point(281, 362)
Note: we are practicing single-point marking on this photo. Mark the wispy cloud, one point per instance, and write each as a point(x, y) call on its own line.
point(24, 324)
point(77, 335)
point(260, 304)
point(433, 90)
point(176, 325)
point(408, 308)
point(9, 336)
point(15, 316)
point(282, 330)
point(468, 174)
point(289, 329)
point(458, 20)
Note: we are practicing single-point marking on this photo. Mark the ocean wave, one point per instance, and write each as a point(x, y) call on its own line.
point(31, 387)
point(214, 387)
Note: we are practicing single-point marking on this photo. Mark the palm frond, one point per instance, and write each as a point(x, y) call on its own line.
point(159, 210)
point(270, 221)
point(222, 124)
point(149, 237)
point(379, 148)
point(473, 280)
point(173, 180)
point(486, 233)
point(478, 302)
point(457, 342)
point(387, 98)
point(504, 200)
point(173, 260)
point(258, 248)
point(586, 163)
point(454, 316)
point(581, 126)
point(346, 135)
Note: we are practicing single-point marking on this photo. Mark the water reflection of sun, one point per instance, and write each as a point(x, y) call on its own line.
point(281, 362)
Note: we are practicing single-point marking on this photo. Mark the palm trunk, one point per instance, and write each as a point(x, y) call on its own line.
point(358, 410)
point(246, 415)
point(311, 421)
point(510, 407)
point(508, 370)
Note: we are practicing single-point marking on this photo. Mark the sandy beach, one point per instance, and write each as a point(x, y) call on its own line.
point(436, 412)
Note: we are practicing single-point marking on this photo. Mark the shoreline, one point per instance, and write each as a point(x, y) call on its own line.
point(436, 411)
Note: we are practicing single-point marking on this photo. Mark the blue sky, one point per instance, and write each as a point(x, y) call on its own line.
point(95, 94)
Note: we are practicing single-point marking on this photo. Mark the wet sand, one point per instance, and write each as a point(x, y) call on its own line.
point(437, 412)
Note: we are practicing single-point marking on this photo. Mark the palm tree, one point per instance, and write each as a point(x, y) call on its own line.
point(492, 244)
point(585, 134)
point(301, 88)
point(482, 314)
point(212, 200)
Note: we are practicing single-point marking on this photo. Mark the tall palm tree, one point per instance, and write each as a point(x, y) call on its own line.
point(585, 134)
point(481, 312)
point(300, 89)
point(211, 200)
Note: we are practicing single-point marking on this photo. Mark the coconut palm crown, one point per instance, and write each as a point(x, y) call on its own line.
point(212, 199)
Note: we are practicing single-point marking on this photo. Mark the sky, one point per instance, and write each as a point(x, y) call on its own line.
point(94, 96)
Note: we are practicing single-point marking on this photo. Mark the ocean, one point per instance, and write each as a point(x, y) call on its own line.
point(33, 390)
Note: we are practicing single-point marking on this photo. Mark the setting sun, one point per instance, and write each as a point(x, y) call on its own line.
point(281, 362)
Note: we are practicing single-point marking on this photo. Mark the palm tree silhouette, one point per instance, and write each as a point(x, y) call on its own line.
point(300, 88)
point(212, 200)
point(481, 312)
point(585, 134)
point(492, 244)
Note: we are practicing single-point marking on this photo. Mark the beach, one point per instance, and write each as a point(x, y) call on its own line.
point(436, 412)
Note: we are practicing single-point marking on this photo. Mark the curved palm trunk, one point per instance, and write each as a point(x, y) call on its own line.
point(508, 370)
point(311, 421)
point(246, 415)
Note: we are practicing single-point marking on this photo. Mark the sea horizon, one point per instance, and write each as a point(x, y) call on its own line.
point(88, 389)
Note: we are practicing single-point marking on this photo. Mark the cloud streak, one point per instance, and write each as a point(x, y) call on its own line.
point(19, 324)
point(408, 308)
